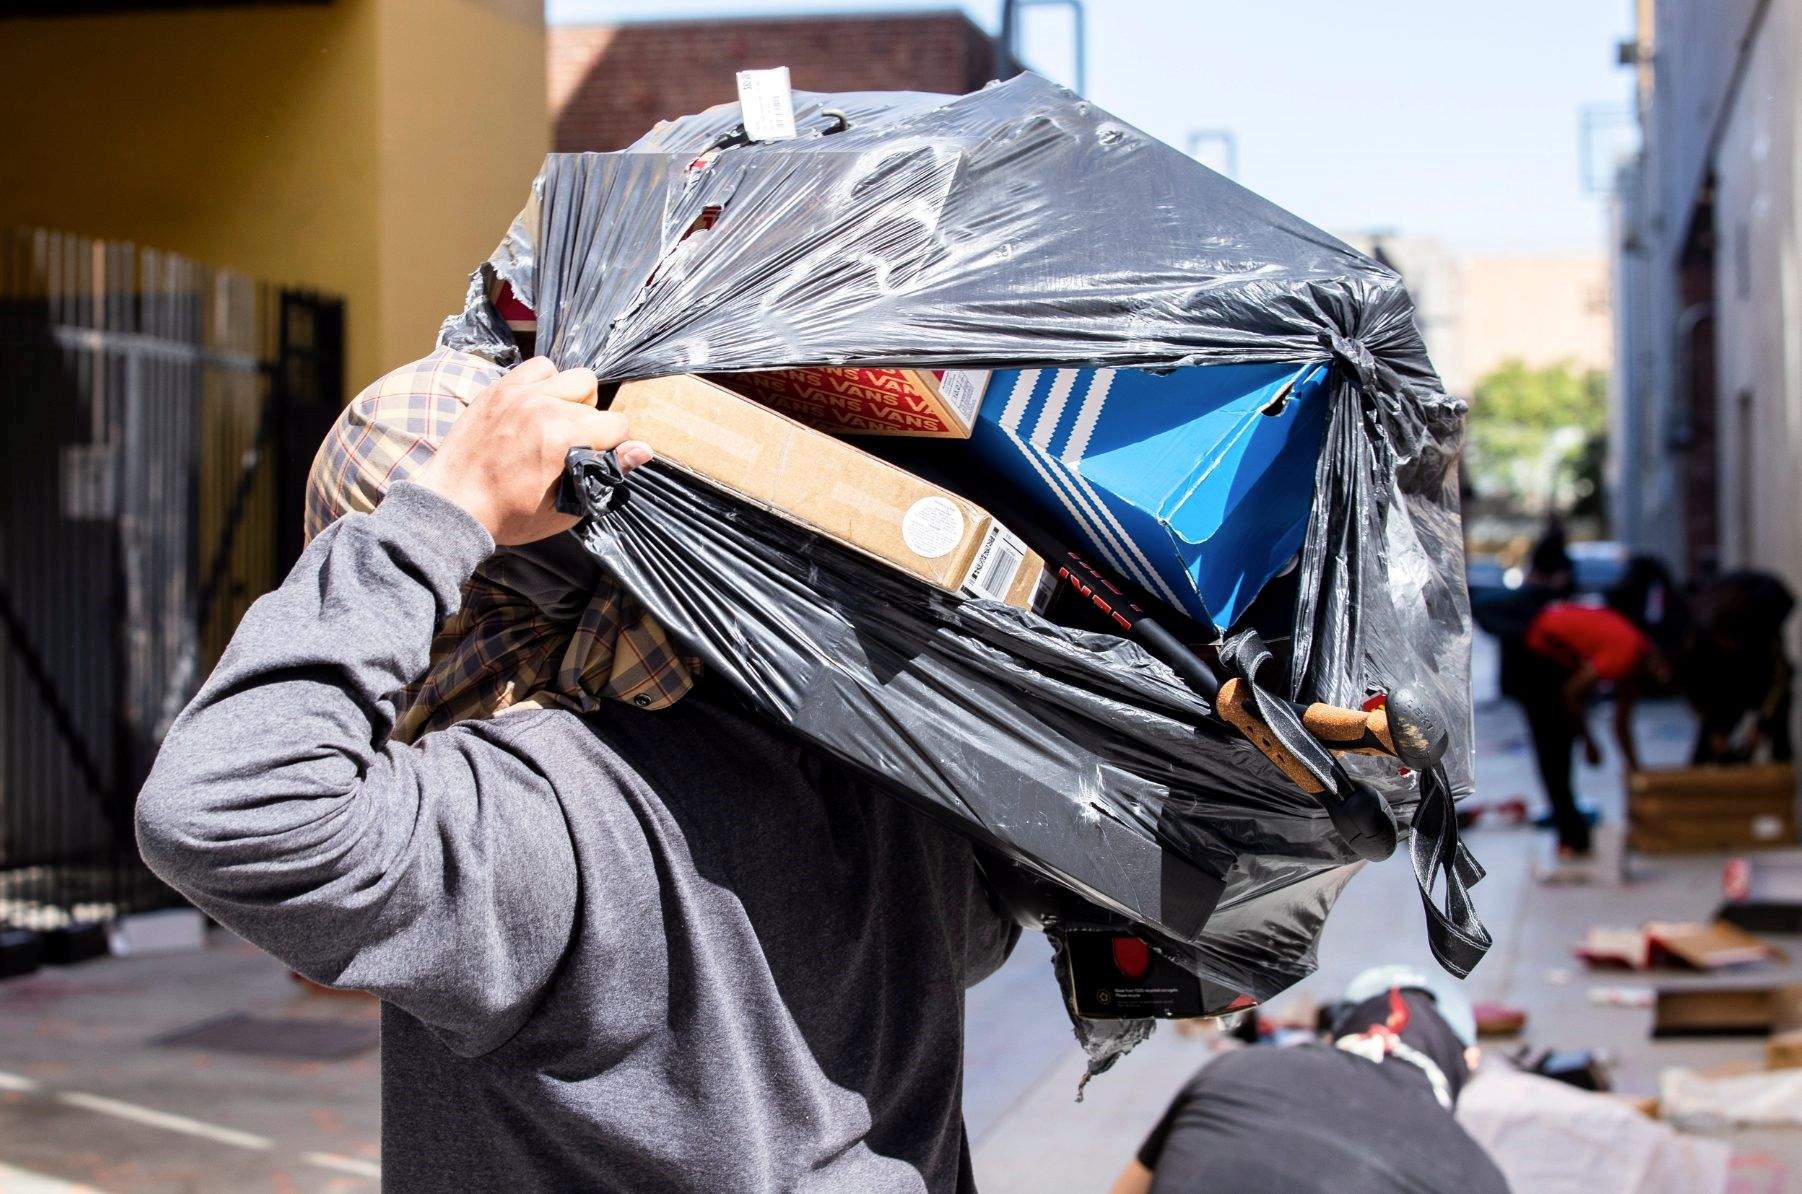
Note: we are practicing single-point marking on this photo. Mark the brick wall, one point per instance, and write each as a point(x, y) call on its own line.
point(610, 83)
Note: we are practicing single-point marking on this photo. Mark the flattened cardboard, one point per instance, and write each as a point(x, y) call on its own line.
point(831, 487)
point(933, 403)
point(1714, 946)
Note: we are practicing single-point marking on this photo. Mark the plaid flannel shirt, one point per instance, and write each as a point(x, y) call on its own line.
point(500, 649)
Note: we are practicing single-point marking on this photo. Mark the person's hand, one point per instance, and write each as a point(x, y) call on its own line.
point(503, 458)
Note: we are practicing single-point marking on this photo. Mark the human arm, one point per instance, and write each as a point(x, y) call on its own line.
point(1134, 1179)
point(278, 805)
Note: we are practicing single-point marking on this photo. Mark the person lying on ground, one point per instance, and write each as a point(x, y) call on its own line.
point(627, 937)
point(1370, 1112)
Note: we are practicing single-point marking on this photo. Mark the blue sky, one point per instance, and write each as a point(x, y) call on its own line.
point(1425, 117)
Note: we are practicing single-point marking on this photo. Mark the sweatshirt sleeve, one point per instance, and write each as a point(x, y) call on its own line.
point(438, 876)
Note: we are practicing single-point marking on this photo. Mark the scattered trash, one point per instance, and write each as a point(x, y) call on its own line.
point(1585, 1069)
point(1499, 1019)
point(1763, 894)
point(1726, 1011)
point(1622, 996)
point(1764, 1098)
point(1699, 809)
point(1696, 946)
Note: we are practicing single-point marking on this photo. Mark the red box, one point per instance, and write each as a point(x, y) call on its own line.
point(935, 403)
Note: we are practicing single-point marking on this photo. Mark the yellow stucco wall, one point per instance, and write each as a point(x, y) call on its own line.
point(372, 148)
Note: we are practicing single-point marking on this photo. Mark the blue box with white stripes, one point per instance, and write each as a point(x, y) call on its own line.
point(1194, 485)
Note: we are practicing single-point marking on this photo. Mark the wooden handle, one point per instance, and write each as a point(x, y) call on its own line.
point(1351, 731)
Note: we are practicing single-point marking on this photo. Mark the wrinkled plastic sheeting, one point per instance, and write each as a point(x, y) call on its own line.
point(986, 714)
point(1021, 227)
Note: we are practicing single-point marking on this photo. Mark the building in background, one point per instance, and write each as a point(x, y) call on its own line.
point(610, 83)
point(1708, 424)
point(1479, 311)
point(374, 149)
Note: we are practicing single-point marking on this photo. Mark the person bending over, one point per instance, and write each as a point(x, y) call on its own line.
point(1370, 1113)
point(1579, 648)
point(627, 937)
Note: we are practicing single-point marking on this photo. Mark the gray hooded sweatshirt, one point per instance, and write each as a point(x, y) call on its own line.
point(637, 951)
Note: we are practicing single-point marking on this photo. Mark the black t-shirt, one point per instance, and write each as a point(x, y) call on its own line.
point(1313, 1118)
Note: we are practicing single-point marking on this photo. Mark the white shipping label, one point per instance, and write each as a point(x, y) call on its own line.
point(932, 527)
point(962, 390)
point(996, 565)
point(767, 103)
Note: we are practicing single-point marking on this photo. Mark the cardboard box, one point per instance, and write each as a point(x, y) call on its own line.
point(1700, 809)
point(935, 403)
point(832, 487)
point(1696, 946)
point(1726, 1011)
point(1194, 485)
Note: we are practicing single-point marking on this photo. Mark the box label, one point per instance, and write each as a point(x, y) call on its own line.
point(997, 563)
point(932, 527)
point(767, 104)
point(962, 390)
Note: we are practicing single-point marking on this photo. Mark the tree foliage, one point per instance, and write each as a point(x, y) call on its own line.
point(1532, 430)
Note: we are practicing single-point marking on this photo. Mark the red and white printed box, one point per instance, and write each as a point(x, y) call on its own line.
point(935, 403)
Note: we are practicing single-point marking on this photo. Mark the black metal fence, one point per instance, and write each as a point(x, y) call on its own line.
point(159, 420)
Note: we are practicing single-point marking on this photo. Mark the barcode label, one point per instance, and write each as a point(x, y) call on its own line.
point(962, 390)
point(996, 565)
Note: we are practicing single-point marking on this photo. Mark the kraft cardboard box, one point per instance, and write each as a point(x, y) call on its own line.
point(832, 487)
point(1701, 809)
point(933, 403)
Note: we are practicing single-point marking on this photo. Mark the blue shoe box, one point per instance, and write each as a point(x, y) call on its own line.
point(1193, 485)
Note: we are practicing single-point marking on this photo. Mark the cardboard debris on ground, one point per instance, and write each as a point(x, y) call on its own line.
point(832, 487)
point(1783, 1050)
point(1499, 1019)
point(1699, 809)
point(1697, 946)
point(1726, 1011)
point(1763, 894)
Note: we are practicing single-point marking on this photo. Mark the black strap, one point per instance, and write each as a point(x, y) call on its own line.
point(1455, 933)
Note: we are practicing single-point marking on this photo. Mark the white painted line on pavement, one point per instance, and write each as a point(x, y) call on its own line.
point(18, 1082)
point(344, 1164)
point(163, 1119)
point(14, 1180)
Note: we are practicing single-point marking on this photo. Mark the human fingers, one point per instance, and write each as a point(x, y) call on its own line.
point(597, 429)
point(531, 372)
point(572, 385)
point(632, 453)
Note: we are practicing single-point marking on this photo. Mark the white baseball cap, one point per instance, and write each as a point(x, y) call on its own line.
point(1448, 997)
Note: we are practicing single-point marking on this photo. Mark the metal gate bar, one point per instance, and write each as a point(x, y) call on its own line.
point(156, 412)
